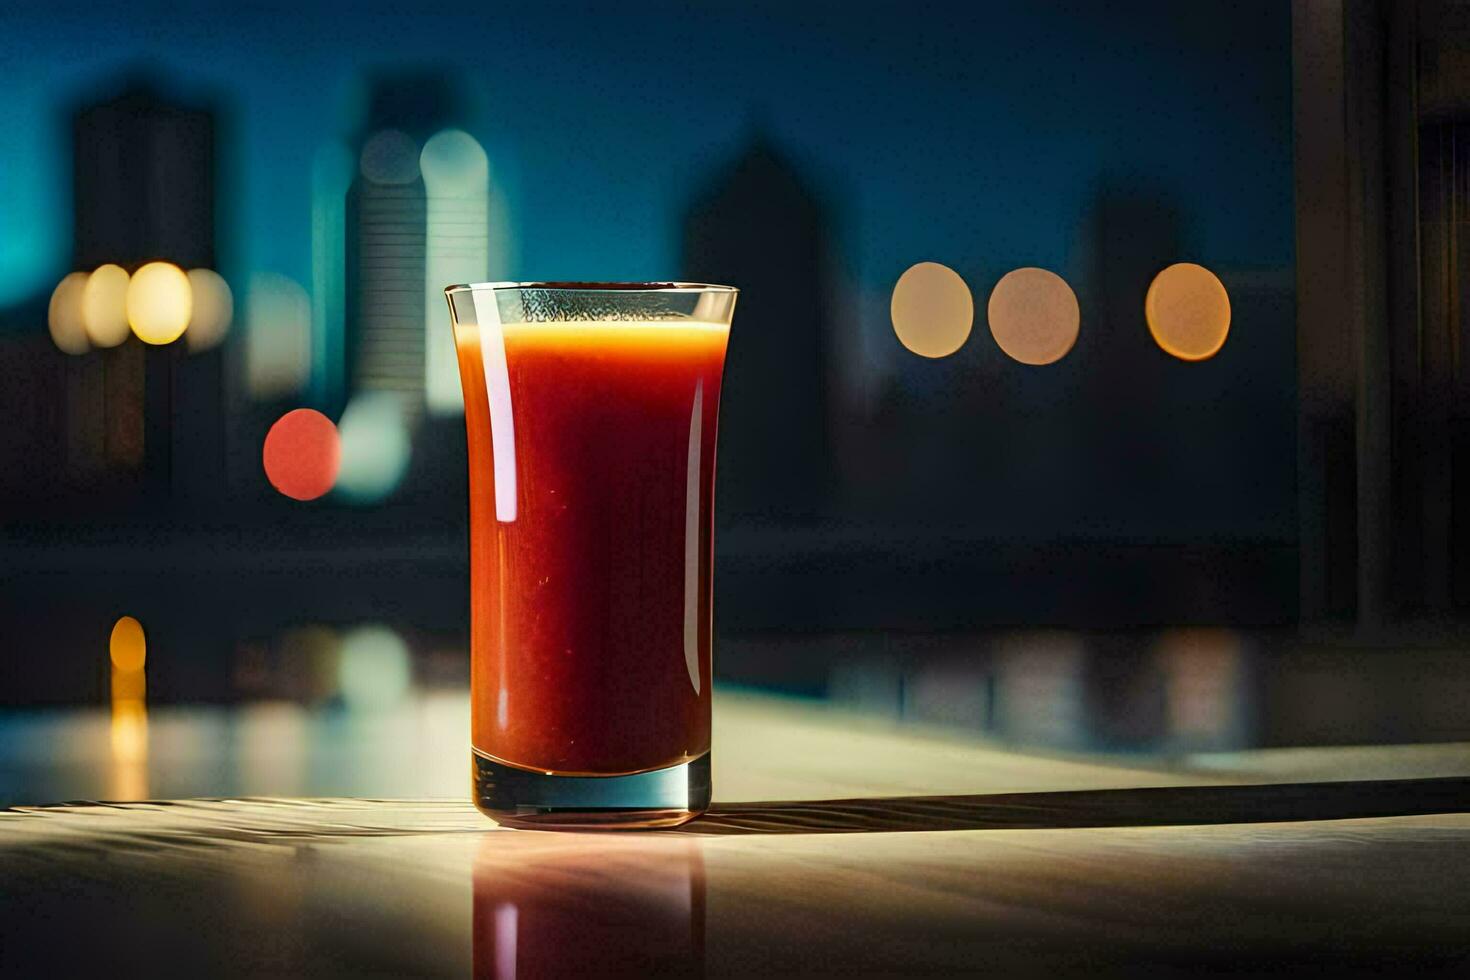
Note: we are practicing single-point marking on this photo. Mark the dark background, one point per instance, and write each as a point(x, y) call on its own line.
point(899, 533)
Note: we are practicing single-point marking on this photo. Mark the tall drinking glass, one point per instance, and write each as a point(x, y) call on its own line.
point(590, 410)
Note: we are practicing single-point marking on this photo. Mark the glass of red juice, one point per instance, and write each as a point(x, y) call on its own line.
point(590, 412)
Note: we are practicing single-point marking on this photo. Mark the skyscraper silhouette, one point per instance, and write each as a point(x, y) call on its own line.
point(144, 189)
point(760, 228)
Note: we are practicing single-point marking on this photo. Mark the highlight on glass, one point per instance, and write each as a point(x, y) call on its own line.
point(590, 411)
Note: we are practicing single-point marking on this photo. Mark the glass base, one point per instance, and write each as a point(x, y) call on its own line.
point(515, 797)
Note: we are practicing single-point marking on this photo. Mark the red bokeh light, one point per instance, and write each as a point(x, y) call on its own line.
point(302, 454)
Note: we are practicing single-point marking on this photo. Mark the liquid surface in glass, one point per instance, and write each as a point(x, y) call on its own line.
point(590, 576)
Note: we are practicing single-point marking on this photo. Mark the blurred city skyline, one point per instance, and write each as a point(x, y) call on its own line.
point(1013, 196)
point(807, 157)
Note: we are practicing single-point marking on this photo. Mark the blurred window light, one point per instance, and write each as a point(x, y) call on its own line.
point(1034, 316)
point(302, 454)
point(105, 305)
point(375, 447)
point(160, 302)
point(374, 669)
point(457, 250)
point(1188, 312)
point(454, 164)
point(278, 336)
point(932, 310)
point(127, 646)
point(214, 309)
point(64, 316)
point(390, 157)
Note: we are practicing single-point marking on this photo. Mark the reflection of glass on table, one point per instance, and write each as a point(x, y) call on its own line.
point(618, 907)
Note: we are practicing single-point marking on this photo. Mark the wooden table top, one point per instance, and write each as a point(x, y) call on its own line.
point(835, 848)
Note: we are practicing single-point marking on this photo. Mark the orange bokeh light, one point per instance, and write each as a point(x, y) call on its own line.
point(1188, 311)
point(302, 454)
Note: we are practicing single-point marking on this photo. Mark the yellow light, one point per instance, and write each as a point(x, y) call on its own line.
point(932, 310)
point(129, 735)
point(159, 303)
point(128, 646)
point(105, 306)
point(128, 778)
point(64, 317)
point(1188, 311)
point(1034, 316)
point(128, 685)
point(214, 308)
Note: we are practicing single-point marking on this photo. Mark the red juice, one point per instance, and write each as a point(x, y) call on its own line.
point(591, 541)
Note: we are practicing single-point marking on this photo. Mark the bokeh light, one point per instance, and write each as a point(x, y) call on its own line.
point(932, 310)
point(64, 315)
point(214, 309)
point(390, 157)
point(278, 336)
point(302, 454)
point(374, 670)
point(127, 646)
point(1034, 316)
point(105, 306)
point(1188, 311)
point(457, 249)
point(375, 447)
point(453, 163)
point(159, 303)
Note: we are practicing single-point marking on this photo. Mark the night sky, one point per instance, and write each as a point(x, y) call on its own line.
point(969, 133)
point(984, 136)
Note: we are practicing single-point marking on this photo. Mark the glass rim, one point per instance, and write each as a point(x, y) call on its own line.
point(592, 287)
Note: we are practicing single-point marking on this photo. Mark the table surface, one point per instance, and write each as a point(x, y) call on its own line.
point(835, 848)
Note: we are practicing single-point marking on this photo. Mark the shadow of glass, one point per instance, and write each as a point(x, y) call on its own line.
point(1152, 807)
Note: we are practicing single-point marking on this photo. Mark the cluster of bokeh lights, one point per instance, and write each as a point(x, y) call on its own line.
point(158, 304)
point(1035, 318)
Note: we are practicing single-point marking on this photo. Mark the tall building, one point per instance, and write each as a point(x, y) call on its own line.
point(387, 234)
point(760, 228)
point(144, 189)
point(386, 213)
